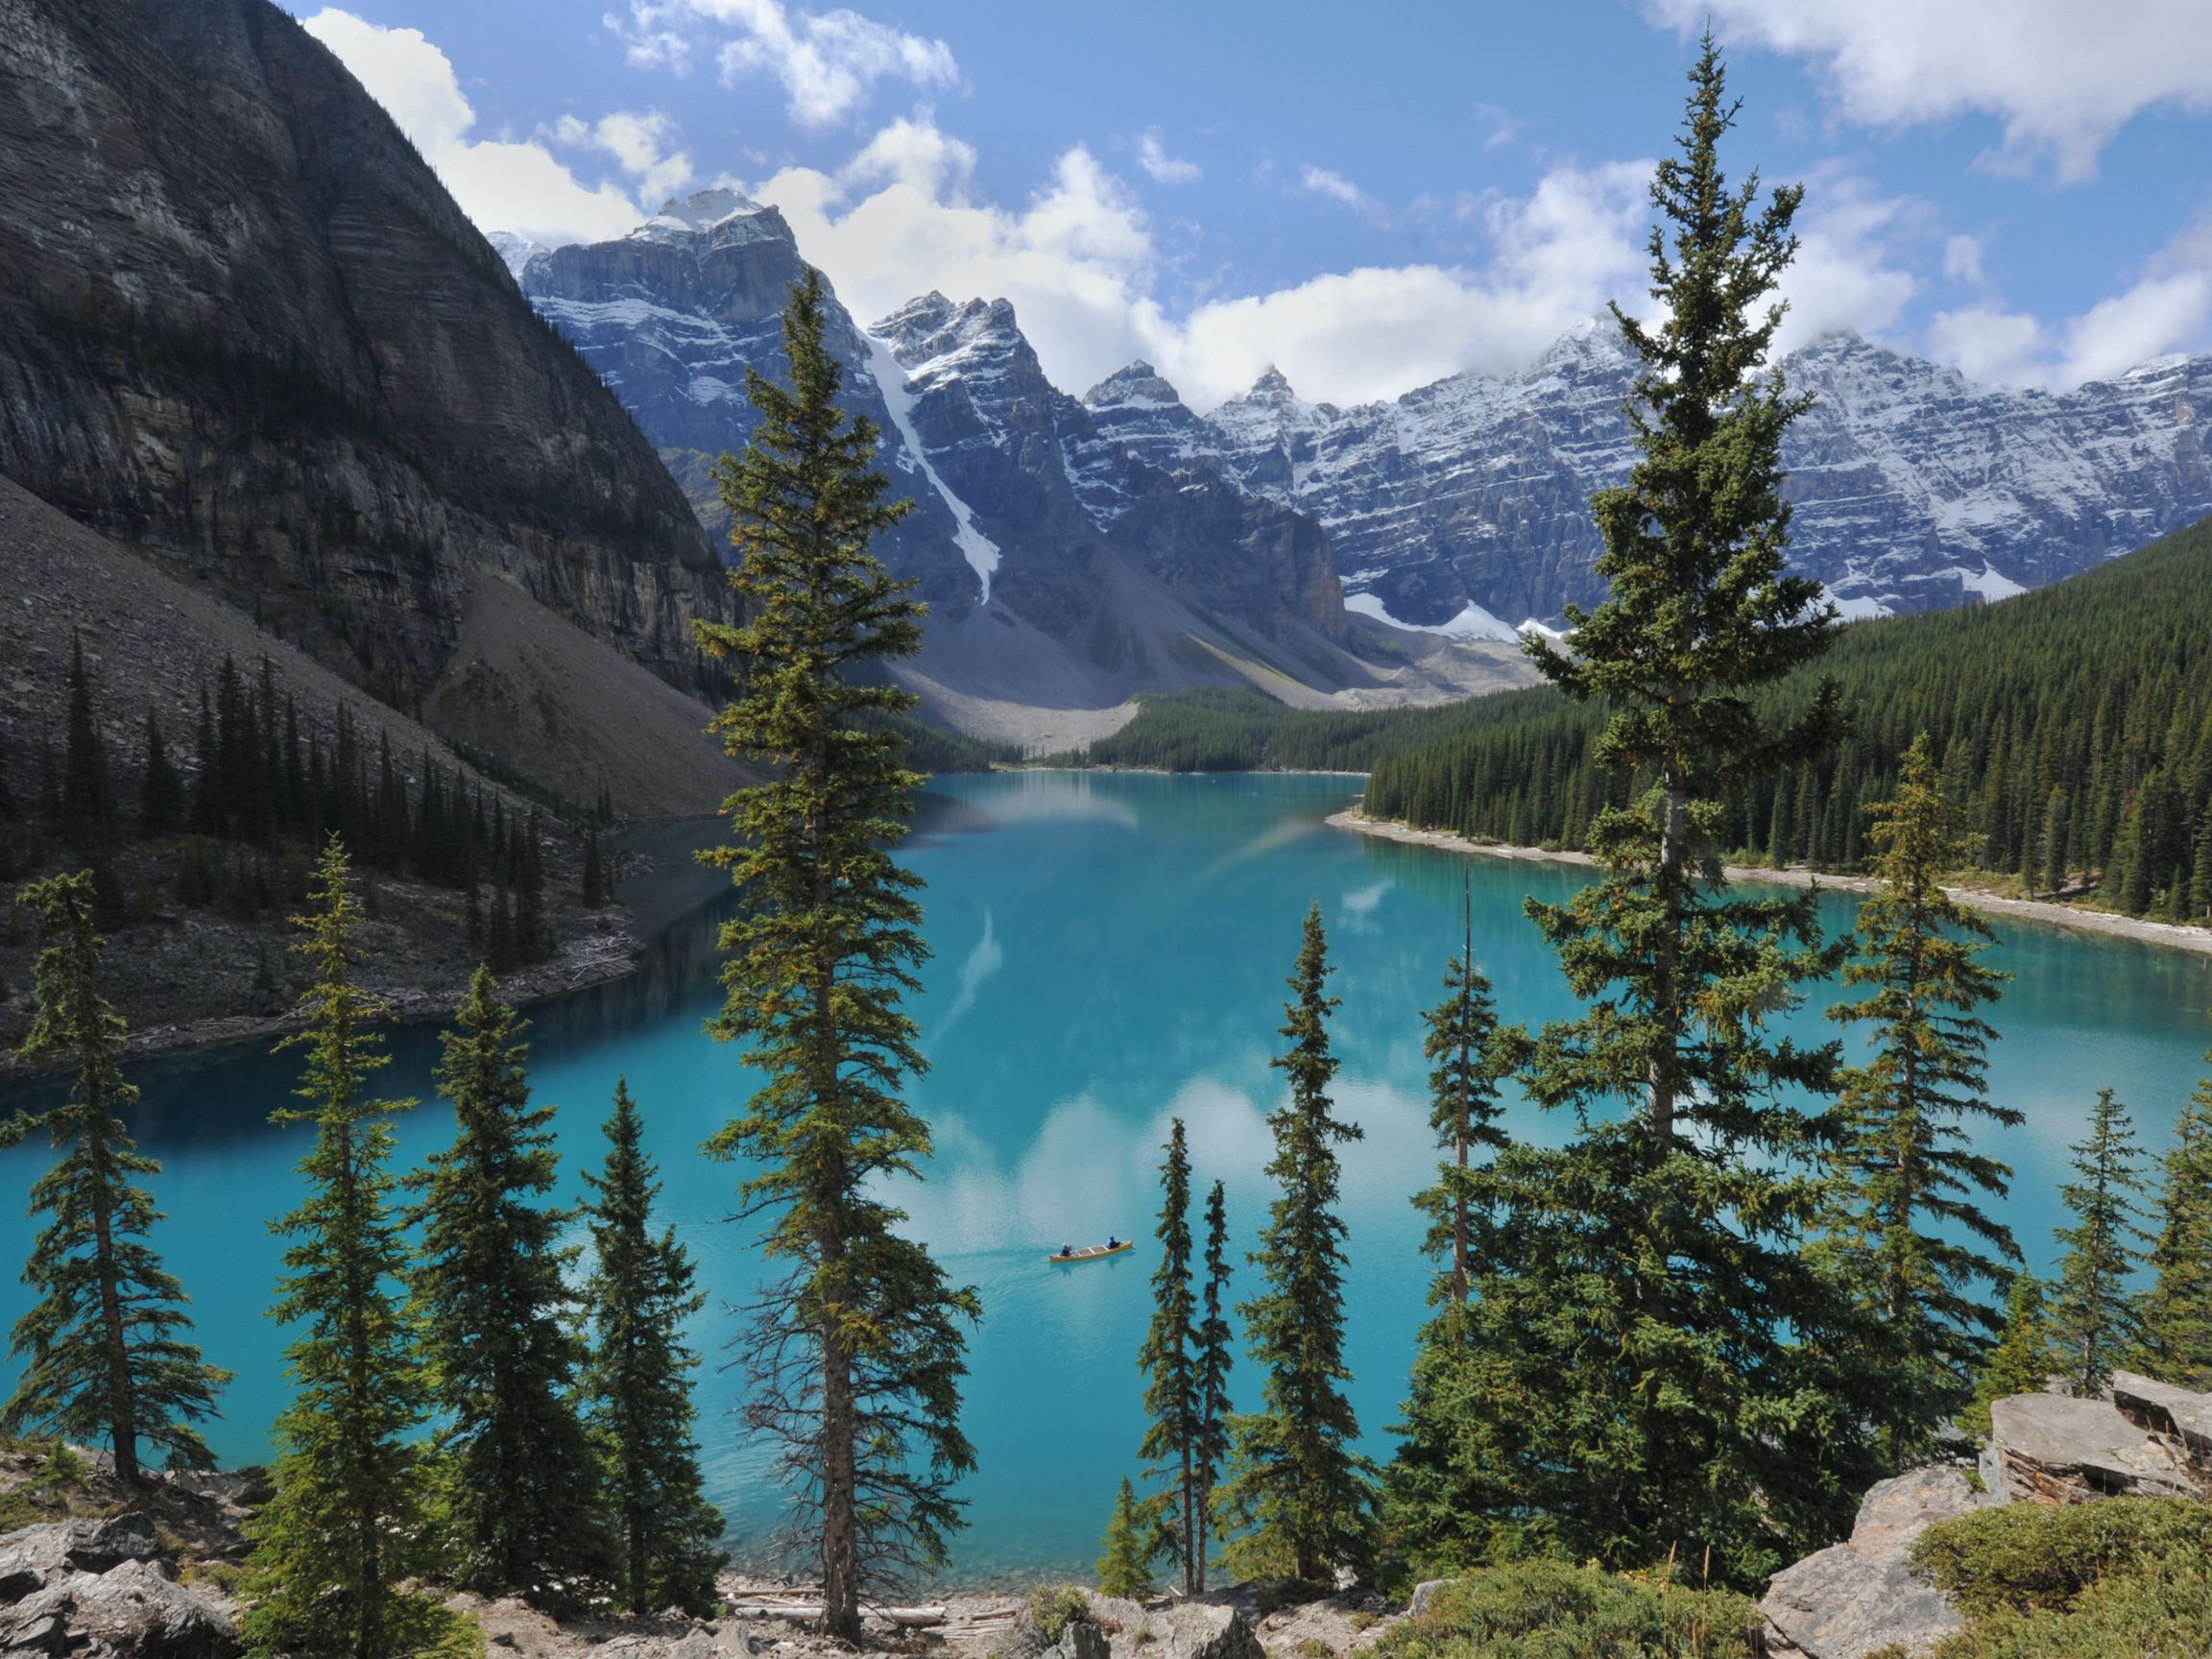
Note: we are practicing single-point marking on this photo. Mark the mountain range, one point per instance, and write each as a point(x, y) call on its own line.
point(1457, 510)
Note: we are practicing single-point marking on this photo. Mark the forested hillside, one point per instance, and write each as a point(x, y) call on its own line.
point(2075, 721)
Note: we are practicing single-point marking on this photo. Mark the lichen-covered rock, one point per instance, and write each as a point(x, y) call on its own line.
point(131, 1611)
point(1860, 1597)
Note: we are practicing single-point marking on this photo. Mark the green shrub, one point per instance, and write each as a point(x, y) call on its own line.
point(2120, 1578)
point(2023, 1558)
point(1052, 1606)
point(1549, 1610)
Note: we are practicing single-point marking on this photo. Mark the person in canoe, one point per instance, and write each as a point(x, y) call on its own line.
point(1065, 1248)
point(1111, 1242)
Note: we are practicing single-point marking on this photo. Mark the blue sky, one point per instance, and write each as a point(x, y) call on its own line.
point(1370, 196)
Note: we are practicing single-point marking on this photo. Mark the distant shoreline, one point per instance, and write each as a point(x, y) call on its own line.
point(2169, 934)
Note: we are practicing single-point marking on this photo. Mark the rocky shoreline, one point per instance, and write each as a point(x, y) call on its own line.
point(2167, 933)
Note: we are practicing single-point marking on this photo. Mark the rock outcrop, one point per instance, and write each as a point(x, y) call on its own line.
point(102, 1590)
point(1860, 1597)
point(2148, 1440)
point(243, 324)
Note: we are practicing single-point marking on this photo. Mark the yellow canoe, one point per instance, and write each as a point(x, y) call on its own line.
point(1092, 1252)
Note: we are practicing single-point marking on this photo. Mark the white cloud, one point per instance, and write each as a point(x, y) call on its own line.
point(1079, 264)
point(1842, 276)
point(499, 186)
point(1338, 188)
point(1988, 343)
point(827, 63)
point(2168, 309)
point(2064, 77)
point(1962, 258)
point(634, 141)
point(1152, 155)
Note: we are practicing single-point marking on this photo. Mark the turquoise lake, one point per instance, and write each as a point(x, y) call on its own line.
point(1108, 954)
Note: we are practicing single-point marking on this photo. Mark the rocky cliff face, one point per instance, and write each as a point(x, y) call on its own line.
point(242, 324)
point(1916, 488)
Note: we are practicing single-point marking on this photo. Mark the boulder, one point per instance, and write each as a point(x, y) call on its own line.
point(247, 1488)
point(1198, 1630)
point(2055, 1450)
point(131, 1611)
point(2173, 1413)
point(34, 1556)
point(1080, 1640)
point(1859, 1597)
point(1425, 1593)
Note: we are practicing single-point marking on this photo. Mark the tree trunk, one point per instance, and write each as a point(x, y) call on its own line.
point(840, 1523)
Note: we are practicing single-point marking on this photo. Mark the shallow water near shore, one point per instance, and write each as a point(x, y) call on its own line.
point(1110, 951)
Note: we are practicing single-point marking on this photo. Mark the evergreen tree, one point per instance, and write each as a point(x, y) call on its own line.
point(347, 1526)
point(594, 888)
point(494, 1310)
point(2174, 1315)
point(1904, 1230)
point(1294, 1479)
point(2021, 1362)
point(640, 1384)
point(500, 949)
point(1169, 1359)
point(161, 800)
point(1432, 1511)
point(2094, 1321)
point(853, 1358)
point(1474, 1055)
point(91, 822)
point(49, 786)
point(1126, 1569)
point(207, 817)
point(1217, 1358)
point(104, 1338)
point(1658, 1366)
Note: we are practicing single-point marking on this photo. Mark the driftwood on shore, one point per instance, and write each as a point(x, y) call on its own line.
point(807, 1605)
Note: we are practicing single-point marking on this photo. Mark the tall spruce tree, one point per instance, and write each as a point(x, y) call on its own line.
point(1217, 1358)
point(853, 1357)
point(91, 821)
point(1433, 1507)
point(639, 1296)
point(107, 1357)
point(162, 797)
point(1905, 1230)
point(1658, 1366)
point(1474, 1055)
point(1170, 1359)
point(2173, 1312)
point(1299, 1495)
point(2092, 1319)
point(347, 1526)
point(491, 1300)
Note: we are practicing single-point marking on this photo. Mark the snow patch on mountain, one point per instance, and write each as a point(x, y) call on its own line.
point(1471, 623)
point(978, 549)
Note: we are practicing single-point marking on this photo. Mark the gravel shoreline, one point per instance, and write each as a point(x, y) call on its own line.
point(2166, 933)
